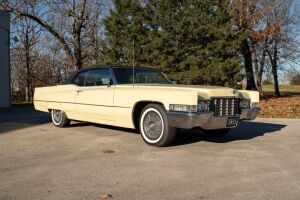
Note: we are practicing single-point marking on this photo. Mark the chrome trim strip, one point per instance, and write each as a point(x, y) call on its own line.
point(82, 104)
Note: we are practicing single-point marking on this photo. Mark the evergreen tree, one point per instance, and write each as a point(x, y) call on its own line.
point(191, 40)
point(125, 31)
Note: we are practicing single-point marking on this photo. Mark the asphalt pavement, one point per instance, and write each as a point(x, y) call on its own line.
point(257, 160)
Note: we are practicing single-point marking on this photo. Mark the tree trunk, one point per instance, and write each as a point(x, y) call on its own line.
point(259, 85)
point(260, 71)
point(27, 89)
point(275, 76)
point(78, 59)
point(28, 73)
point(273, 59)
point(246, 52)
point(77, 27)
point(258, 75)
point(77, 44)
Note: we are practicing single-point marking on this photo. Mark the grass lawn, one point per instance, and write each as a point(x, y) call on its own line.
point(284, 89)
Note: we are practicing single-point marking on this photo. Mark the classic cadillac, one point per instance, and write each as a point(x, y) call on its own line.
point(145, 99)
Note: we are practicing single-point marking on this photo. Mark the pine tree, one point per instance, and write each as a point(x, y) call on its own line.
point(191, 40)
point(125, 31)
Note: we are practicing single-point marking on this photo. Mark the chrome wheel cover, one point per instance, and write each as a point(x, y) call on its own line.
point(57, 116)
point(152, 125)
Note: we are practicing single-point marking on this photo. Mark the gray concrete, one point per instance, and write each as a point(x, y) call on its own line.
point(4, 60)
point(257, 160)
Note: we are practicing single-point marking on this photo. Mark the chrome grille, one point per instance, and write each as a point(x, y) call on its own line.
point(224, 106)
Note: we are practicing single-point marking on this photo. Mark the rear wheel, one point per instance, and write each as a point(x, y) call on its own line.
point(154, 126)
point(59, 118)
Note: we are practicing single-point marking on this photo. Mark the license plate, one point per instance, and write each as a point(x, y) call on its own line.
point(232, 121)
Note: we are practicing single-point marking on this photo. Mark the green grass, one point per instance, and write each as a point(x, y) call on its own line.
point(284, 89)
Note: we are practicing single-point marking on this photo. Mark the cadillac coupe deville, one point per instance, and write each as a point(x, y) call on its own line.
point(145, 99)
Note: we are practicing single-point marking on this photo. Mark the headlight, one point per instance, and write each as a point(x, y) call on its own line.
point(255, 105)
point(182, 108)
point(203, 105)
point(244, 103)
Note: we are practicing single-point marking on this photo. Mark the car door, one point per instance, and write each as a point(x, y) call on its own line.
point(94, 99)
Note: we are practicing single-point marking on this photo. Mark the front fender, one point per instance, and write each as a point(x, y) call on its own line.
point(253, 96)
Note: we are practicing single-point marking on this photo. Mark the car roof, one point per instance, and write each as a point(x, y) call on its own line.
point(114, 66)
point(74, 74)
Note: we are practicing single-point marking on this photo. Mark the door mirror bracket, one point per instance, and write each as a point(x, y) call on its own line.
point(106, 81)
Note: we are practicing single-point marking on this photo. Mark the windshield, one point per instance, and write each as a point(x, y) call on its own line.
point(141, 75)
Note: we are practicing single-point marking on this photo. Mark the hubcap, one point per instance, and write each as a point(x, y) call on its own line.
point(57, 116)
point(152, 125)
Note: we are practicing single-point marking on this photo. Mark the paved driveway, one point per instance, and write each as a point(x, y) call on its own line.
point(257, 160)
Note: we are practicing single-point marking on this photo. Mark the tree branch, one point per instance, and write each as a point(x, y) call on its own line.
point(52, 31)
point(46, 26)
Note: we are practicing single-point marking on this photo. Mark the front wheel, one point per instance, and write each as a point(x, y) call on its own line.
point(154, 126)
point(59, 118)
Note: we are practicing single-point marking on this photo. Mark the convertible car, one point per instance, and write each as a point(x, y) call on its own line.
point(145, 99)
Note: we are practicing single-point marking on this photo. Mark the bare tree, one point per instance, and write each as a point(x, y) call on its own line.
point(94, 34)
point(75, 15)
point(260, 54)
point(29, 37)
point(23, 53)
point(270, 37)
point(282, 39)
point(244, 16)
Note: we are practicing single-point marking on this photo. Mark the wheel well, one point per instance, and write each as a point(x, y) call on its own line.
point(138, 107)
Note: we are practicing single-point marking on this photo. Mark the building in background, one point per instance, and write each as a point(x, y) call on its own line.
point(4, 60)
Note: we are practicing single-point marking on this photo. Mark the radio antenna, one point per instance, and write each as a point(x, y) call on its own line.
point(132, 18)
point(133, 62)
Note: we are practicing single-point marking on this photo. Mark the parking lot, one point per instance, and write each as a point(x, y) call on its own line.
point(257, 160)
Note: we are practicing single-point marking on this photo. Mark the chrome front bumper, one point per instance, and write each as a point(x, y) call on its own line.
point(206, 120)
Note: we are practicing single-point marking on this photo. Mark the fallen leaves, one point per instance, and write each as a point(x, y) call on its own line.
point(105, 196)
point(280, 107)
point(108, 151)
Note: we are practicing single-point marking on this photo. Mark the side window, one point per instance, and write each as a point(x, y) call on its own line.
point(94, 77)
point(80, 78)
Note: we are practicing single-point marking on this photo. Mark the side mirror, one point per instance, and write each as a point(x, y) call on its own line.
point(106, 81)
point(173, 81)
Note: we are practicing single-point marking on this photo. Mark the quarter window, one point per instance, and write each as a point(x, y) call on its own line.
point(80, 78)
point(94, 77)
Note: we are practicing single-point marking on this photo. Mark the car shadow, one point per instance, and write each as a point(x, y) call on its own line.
point(246, 130)
point(83, 124)
point(23, 117)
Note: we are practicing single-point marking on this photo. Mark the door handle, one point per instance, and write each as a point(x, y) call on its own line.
point(78, 91)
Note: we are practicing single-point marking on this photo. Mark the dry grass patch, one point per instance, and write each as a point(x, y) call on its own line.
point(284, 89)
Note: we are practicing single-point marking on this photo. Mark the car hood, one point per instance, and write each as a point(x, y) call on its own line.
point(205, 91)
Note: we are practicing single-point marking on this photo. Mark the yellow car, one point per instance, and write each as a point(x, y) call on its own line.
point(145, 99)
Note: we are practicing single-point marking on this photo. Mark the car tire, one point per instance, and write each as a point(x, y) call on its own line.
point(59, 118)
point(154, 128)
point(217, 132)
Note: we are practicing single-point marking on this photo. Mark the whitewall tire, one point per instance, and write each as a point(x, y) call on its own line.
point(154, 126)
point(59, 118)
